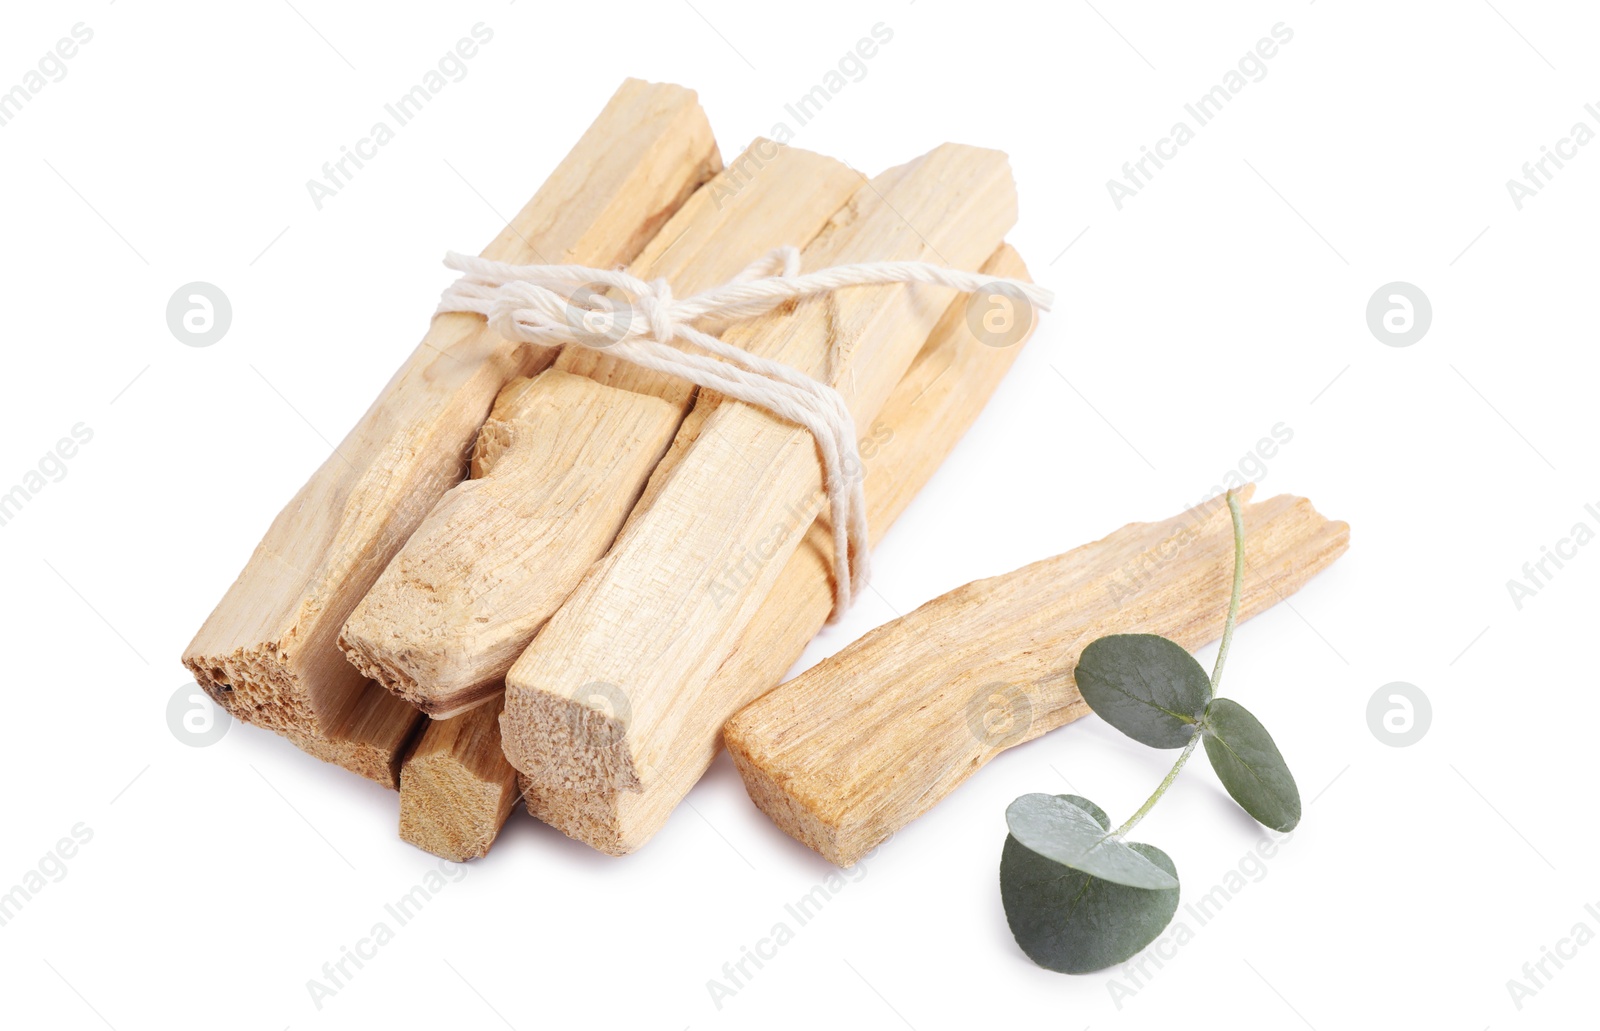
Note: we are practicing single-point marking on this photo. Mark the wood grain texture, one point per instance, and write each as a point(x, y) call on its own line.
point(869, 739)
point(368, 736)
point(946, 387)
point(268, 652)
point(659, 613)
point(456, 788)
point(562, 460)
point(930, 410)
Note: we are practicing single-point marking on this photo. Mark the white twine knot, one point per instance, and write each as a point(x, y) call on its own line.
point(555, 305)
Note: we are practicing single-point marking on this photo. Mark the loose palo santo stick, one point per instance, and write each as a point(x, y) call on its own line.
point(268, 653)
point(564, 457)
point(456, 788)
point(942, 393)
point(869, 739)
point(930, 410)
point(656, 617)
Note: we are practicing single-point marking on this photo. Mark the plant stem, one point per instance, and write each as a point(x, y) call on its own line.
point(1238, 589)
point(1216, 672)
point(1161, 788)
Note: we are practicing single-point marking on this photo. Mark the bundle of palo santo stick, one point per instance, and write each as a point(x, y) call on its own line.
point(546, 573)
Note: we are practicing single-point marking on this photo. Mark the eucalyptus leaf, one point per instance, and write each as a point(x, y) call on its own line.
point(1077, 897)
point(1100, 815)
point(1146, 686)
point(1073, 922)
point(1058, 829)
point(1250, 765)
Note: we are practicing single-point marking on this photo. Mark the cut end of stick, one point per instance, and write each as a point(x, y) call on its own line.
point(790, 812)
point(254, 685)
point(369, 737)
point(394, 679)
point(456, 789)
point(592, 817)
point(400, 670)
point(447, 810)
point(585, 731)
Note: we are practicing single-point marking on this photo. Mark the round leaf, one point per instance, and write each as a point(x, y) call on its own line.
point(1250, 765)
point(1146, 686)
point(1069, 921)
point(1060, 830)
point(1089, 807)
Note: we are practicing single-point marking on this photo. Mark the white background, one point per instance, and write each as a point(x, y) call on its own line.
point(1226, 297)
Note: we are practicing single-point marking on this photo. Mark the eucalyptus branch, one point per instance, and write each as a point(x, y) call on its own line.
point(1161, 789)
point(1077, 895)
point(1216, 671)
point(1238, 589)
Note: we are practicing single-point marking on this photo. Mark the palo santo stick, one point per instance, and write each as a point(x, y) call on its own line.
point(930, 410)
point(456, 788)
point(866, 741)
point(564, 457)
point(268, 653)
point(369, 737)
point(655, 618)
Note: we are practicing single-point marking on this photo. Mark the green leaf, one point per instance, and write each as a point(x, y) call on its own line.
point(1100, 815)
point(1146, 686)
point(1072, 922)
point(1059, 829)
point(1250, 765)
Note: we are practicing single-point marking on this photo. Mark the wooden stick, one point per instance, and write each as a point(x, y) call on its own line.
point(657, 616)
point(941, 395)
point(267, 654)
point(369, 736)
point(564, 457)
point(866, 741)
point(456, 788)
